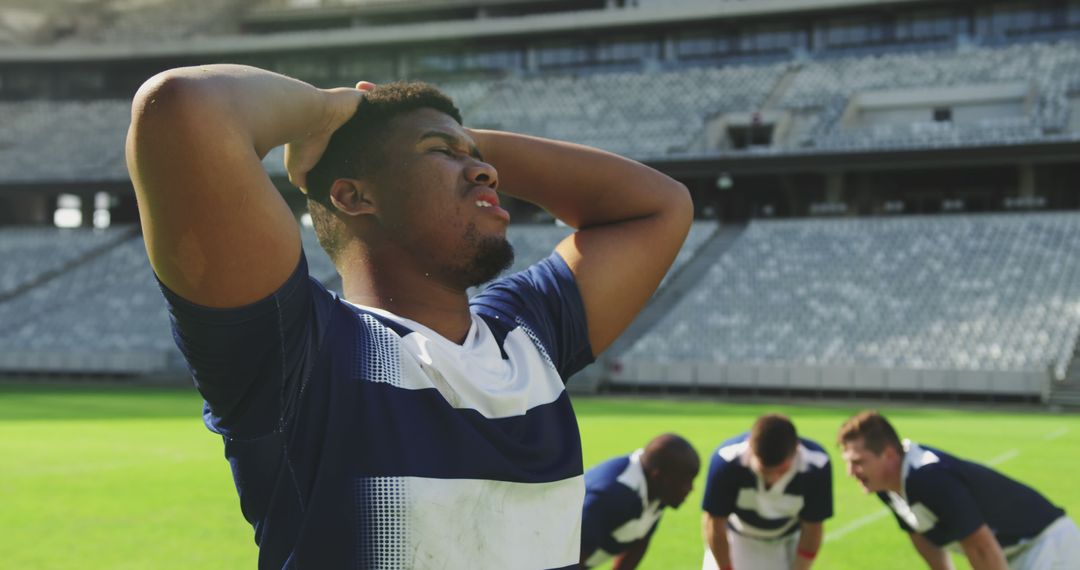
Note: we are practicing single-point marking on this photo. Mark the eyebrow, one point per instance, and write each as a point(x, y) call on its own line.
point(454, 141)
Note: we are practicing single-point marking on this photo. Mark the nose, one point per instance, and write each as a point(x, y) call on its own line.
point(482, 173)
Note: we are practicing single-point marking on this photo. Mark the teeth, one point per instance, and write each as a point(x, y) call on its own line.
point(482, 204)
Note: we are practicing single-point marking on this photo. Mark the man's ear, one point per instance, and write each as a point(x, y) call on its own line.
point(353, 197)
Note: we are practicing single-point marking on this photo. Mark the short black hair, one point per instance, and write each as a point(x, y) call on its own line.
point(773, 439)
point(354, 150)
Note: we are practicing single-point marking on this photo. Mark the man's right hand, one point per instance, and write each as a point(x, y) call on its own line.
point(303, 154)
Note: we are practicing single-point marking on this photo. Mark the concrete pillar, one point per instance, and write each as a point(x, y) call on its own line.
point(834, 187)
point(531, 60)
point(402, 64)
point(667, 49)
point(1026, 180)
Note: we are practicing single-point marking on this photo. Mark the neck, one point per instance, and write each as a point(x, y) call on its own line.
point(896, 482)
point(398, 286)
point(651, 485)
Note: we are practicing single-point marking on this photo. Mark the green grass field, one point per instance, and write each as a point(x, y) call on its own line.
point(129, 478)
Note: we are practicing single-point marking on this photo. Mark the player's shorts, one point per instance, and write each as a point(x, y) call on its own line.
point(1056, 548)
point(757, 554)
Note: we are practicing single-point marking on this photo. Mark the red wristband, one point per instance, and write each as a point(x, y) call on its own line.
point(806, 554)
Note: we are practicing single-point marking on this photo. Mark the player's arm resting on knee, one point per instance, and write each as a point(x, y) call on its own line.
point(810, 535)
point(631, 557)
point(714, 530)
point(936, 558)
point(631, 219)
point(983, 551)
point(217, 231)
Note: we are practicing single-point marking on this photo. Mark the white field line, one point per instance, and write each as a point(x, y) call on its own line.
point(884, 512)
point(1056, 434)
point(856, 524)
point(1004, 457)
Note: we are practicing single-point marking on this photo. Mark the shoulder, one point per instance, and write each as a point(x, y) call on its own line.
point(930, 474)
point(606, 473)
point(812, 456)
point(607, 489)
point(732, 450)
point(548, 279)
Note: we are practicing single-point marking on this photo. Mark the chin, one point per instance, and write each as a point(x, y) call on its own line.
point(493, 256)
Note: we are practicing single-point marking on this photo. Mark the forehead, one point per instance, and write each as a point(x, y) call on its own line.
point(409, 127)
point(853, 448)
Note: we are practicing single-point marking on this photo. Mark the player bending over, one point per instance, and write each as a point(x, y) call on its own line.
point(942, 501)
point(625, 497)
point(767, 495)
point(403, 425)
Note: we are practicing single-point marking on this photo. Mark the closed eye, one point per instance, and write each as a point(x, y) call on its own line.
point(444, 150)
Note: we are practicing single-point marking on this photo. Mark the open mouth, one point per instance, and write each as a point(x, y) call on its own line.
point(489, 200)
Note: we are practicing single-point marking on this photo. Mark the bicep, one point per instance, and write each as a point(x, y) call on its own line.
point(217, 231)
point(618, 267)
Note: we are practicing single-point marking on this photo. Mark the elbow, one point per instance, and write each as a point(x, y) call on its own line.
point(165, 96)
point(681, 205)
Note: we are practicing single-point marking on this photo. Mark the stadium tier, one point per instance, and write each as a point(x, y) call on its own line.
point(32, 254)
point(766, 111)
point(995, 96)
point(103, 314)
point(834, 304)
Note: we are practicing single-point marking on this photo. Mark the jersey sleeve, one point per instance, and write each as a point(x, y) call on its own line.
point(818, 501)
point(719, 500)
point(604, 512)
point(546, 301)
point(950, 502)
point(249, 362)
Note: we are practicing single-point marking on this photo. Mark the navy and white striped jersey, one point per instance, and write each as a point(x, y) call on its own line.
point(735, 491)
point(359, 439)
point(617, 509)
point(946, 499)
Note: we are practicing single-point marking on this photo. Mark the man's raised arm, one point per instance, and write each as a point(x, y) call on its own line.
point(631, 220)
point(217, 231)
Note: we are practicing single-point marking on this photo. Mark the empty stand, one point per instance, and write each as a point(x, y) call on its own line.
point(950, 293)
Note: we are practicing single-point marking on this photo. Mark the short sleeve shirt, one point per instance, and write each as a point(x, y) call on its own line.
point(361, 439)
point(617, 511)
point(946, 499)
point(735, 491)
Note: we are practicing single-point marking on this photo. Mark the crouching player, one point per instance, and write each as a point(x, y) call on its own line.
point(625, 497)
point(941, 501)
point(767, 496)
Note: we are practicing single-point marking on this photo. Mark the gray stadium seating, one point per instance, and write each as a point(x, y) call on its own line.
point(951, 293)
point(104, 316)
point(30, 253)
point(641, 114)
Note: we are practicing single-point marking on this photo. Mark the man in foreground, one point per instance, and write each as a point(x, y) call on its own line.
point(767, 496)
point(626, 496)
point(940, 500)
point(402, 426)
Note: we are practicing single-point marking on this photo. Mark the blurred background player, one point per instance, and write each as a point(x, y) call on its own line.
point(625, 497)
point(767, 495)
point(941, 500)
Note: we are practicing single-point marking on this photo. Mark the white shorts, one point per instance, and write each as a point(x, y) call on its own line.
point(1056, 548)
point(756, 554)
